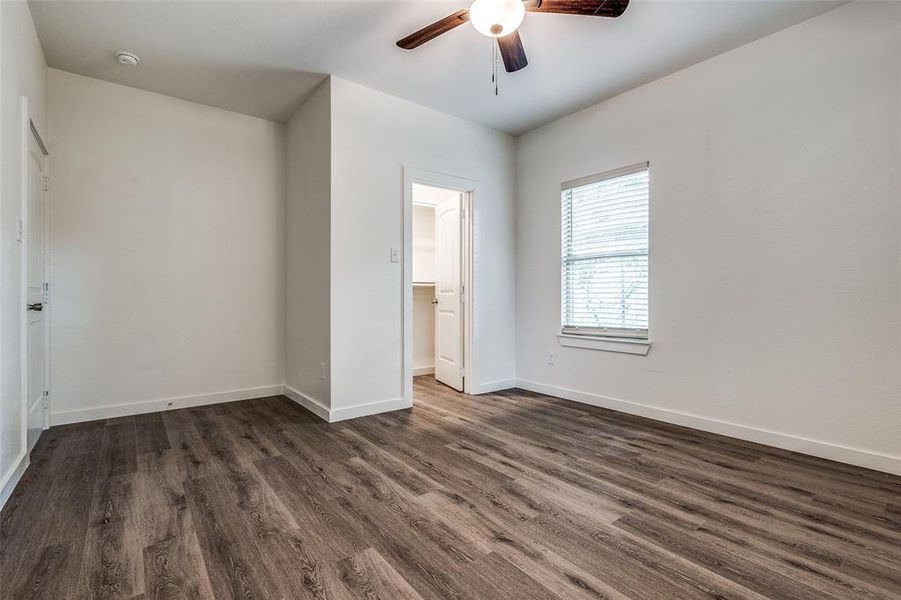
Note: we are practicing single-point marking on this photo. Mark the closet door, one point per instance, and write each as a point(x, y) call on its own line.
point(448, 279)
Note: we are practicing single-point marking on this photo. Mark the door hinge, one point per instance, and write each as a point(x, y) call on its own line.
point(46, 398)
point(46, 184)
point(46, 293)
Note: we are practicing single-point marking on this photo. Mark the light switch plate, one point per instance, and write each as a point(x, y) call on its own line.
point(395, 255)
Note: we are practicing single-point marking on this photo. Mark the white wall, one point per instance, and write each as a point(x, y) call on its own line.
point(776, 260)
point(423, 330)
point(374, 136)
point(308, 147)
point(23, 73)
point(168, 251)
point(423, 271)
point(423, 243)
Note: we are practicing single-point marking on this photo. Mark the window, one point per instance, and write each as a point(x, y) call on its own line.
point(605, 254)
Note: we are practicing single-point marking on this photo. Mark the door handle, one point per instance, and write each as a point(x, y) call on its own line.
point(38, 307)
point(435, 301)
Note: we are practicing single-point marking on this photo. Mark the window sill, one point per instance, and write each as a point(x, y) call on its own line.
point(608, 344)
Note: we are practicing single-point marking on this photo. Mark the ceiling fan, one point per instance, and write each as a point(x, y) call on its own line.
point(501, 18)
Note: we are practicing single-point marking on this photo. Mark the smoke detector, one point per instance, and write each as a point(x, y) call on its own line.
point(127, 58)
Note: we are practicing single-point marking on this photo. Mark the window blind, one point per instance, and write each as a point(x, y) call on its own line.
point(605, 254)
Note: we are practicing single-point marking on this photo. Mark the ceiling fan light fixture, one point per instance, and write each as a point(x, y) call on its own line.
point(496, 18)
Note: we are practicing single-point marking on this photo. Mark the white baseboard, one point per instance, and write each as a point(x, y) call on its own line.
point(138, 408)
point(494, 386)
point(369, 408)
point(12, 477)
point(312, 405)
point(417, 371)
point(845, 454)
point(333, 415)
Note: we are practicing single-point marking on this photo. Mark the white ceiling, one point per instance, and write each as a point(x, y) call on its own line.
point(431, 196)
point(263, 58)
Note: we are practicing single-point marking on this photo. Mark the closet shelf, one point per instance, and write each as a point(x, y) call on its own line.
point(423, 284)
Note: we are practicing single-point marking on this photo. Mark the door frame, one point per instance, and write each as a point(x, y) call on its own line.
point(29, 132)
point(470, 192)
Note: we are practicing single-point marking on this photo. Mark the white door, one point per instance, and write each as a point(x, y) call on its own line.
point(36, 297)
point(448, 279)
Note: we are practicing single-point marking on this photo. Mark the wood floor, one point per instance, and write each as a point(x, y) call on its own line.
point(512, 495)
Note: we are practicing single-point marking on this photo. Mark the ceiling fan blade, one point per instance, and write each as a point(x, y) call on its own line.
point(512, 51)
point(592, 8)
point(430, 32)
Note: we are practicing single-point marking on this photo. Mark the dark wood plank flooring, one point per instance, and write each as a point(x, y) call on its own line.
point(512, 495)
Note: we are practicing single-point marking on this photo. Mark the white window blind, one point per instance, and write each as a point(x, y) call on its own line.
point(605, 254)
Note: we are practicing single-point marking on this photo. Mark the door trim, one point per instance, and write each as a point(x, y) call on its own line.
point(471, 194)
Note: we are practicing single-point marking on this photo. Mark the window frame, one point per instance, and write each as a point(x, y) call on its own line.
point(613, 333)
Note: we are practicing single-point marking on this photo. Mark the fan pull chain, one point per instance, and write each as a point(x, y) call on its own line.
point(494, 67)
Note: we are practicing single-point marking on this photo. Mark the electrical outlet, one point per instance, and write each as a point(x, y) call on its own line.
point(551, 358)
point(322, 372)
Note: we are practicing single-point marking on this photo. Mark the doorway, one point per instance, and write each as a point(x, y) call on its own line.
point(34, 234)
point(437, 285)
point(437, 272)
